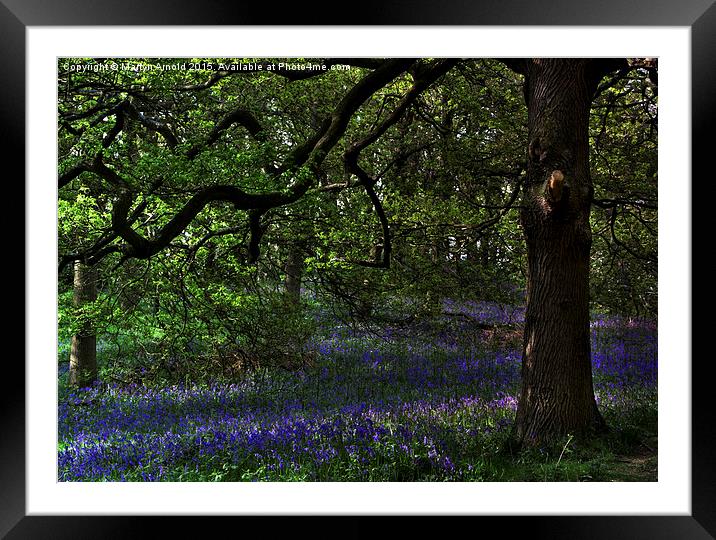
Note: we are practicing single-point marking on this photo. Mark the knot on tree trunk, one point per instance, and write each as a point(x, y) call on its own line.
point(555, 188)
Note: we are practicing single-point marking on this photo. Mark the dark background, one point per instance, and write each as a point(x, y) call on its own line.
point(15, 15)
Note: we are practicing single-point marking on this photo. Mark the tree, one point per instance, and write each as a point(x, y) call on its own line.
point(83, 349)
point(557, 395)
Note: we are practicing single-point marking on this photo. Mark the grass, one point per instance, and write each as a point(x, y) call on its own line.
point(413, 406)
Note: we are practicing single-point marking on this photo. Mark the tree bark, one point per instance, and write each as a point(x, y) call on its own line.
point(294, 271)
point(557, 395)
point(83, 350)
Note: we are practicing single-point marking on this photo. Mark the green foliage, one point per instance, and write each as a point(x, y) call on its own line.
point(445, 174)
point(624, 135)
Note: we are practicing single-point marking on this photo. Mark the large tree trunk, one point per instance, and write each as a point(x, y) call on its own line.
point(83, 350)
point(557, 394)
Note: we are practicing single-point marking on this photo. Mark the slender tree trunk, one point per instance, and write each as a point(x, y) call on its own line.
point(294, 272)
point(557, 393)
point(437, 252)
point(83, 350)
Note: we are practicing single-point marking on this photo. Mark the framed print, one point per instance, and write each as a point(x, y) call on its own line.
point(42, 43)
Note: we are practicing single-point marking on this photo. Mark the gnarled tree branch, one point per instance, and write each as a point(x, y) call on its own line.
point(310, 154)
point(424, 78)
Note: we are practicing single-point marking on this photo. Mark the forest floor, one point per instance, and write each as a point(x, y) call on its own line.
point(427, 405)
point(638, 465)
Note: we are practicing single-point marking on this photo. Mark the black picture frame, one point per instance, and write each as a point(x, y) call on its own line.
point(16, 15)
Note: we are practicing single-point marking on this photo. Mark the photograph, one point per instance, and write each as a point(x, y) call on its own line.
point(357, 269)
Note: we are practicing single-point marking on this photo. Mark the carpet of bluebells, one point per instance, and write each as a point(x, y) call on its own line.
point(404, 404)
